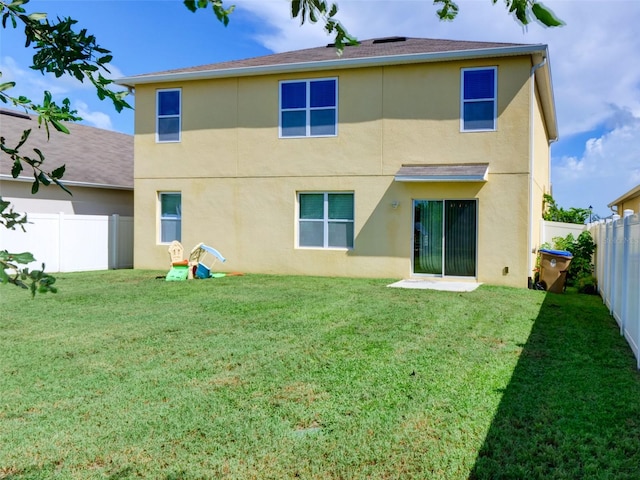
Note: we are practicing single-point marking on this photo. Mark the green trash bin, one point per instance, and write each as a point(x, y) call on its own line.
point(554, 265)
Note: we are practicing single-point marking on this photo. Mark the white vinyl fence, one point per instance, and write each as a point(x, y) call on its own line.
point(617, 265)
point(73, 243)
point(550, 230)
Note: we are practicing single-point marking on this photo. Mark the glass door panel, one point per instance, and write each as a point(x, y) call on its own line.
point(444, 241)
point(427, 240)
point(460, 238)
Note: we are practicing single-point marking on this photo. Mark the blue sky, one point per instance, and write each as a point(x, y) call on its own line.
point(595, 63)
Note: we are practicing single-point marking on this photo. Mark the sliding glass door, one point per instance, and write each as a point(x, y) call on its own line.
point(444, 241)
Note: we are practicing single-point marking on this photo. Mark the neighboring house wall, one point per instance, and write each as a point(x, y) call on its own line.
point(52, 199)
point(239, 181)
point(628, 201)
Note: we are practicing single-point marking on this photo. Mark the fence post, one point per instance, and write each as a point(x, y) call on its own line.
point(61, 259)
point(114, 224)
point(613, 272)
point(624, 315)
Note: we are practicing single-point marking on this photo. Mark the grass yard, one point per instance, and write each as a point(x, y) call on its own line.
point(121, 375)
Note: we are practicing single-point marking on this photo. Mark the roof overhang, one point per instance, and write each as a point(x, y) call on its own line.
point(462, 172)
point(68, 183)
point(545, 87)
point(337, 63)
point(631, 194)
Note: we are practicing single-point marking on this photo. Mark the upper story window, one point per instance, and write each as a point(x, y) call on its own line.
point(168, 104)
point(479, 99)
point(309, 108)
point(325, 220)
point(170, 216)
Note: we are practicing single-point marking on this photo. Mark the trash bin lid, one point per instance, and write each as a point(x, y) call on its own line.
point(559, 253)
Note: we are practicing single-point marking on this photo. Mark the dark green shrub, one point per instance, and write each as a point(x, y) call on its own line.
point(554, 213)
point(580, 272)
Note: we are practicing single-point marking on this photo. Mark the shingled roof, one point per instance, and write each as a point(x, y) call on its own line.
point(370, 51)
point(93, 156)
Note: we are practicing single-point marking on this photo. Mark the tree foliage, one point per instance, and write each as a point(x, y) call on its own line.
point(313, 11)
point(59, 49)
point(553, 213)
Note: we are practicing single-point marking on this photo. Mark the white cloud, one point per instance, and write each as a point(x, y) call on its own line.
point(96, 119)
point(609, 167)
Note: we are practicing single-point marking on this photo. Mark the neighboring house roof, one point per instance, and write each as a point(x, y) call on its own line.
point(374, 52)
point(93, 157)
point(630, 195)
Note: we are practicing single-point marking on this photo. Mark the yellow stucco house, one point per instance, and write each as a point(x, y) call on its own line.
point(628, 201)
point(402, 157)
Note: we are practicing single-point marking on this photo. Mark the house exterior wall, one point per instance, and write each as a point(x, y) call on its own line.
point(541, 181)
point(630, 201)
point(52, 199)
point(239, 181)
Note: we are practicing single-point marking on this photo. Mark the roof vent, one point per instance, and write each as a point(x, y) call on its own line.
point(390, 40)
point(14, 113)
point(346, 44)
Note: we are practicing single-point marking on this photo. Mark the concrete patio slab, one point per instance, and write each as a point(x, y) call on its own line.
point(436, 285)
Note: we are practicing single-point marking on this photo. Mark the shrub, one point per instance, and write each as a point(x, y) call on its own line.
point(554, 213)
point(580, 274)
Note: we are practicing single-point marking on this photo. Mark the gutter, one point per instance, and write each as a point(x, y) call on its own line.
point(337, 63)
point(70, 183)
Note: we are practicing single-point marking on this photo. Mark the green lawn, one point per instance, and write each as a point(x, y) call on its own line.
point(121, 375)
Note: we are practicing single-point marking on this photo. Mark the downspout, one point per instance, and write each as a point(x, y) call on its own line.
point(532, 101)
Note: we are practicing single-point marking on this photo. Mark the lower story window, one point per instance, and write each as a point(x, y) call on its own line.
point(325, 220)
point(170, 217)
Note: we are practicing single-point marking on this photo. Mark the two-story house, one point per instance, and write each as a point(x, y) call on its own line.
point(402, 157)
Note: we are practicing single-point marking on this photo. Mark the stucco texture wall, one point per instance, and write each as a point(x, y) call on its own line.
point(239, 181)
point(52, 199)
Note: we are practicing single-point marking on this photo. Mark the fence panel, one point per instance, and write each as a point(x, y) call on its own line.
point(617, 262)
point(631, 310)
point(73, 243)
point(550, 230)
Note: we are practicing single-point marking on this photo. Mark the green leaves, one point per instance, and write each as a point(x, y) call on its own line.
point(554, 213)
point(523, 10)
point(9, 218)
point(448, 10)
point(545, 16)
point(36, 281)
point(221, 13)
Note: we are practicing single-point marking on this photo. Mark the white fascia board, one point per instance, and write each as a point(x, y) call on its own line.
point(440, 178)
point(338, 63)
point(545, 85)
point(70, 183)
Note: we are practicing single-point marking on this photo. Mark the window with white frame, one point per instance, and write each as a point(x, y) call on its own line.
point(325, 220)
point(309, 108)
point(168, 120)
point(170, 216)
point(479, 99)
